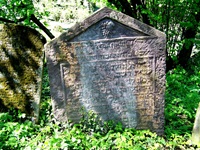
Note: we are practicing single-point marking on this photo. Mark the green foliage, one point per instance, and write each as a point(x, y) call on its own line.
point(14, 134)
point(16, 10)
point(55, 136)
point(182, 98)
point(95, 4)
point(65, 12)
point(45, 106)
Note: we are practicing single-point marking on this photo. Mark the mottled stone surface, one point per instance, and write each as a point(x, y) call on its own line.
point(113, 65)
point(21, 65)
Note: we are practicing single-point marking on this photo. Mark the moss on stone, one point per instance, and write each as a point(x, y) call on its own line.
point(21, 53)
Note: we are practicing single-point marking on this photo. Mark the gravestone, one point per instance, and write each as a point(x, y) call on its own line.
point(21, 66)
point(113, 65)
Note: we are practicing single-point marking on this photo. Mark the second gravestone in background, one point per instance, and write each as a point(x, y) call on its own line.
point(113, 65)
point(21, 66)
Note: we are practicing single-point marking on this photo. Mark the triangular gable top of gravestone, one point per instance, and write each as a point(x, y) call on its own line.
point(106, 24)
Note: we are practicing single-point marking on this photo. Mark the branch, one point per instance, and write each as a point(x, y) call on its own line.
point(6, 20)
point(188, 35)
point(41, 26)
point(35, 20)
point(170, 64)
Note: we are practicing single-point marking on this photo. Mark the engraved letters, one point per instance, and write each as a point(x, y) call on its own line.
point(112, 66)
point(115, 74)
point(106, 28)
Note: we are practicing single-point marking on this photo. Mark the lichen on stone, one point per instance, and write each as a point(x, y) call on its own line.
point(21, 63)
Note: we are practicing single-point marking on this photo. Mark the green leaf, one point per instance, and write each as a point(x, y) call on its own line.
point(186, 24)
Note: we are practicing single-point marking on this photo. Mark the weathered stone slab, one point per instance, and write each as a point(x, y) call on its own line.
point(21, 66)
point(111, 64)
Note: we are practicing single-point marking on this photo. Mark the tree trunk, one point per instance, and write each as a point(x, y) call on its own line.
point(185, 53)
point(189, 36)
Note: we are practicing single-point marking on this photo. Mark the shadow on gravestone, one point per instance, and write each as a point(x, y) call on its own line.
point(21, 67)
point(113, 65)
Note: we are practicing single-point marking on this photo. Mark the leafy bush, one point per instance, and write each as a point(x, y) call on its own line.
point(182, 98)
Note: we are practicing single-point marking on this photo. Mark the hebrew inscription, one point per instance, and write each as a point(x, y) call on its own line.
point(113, 65)
point(117, 79)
